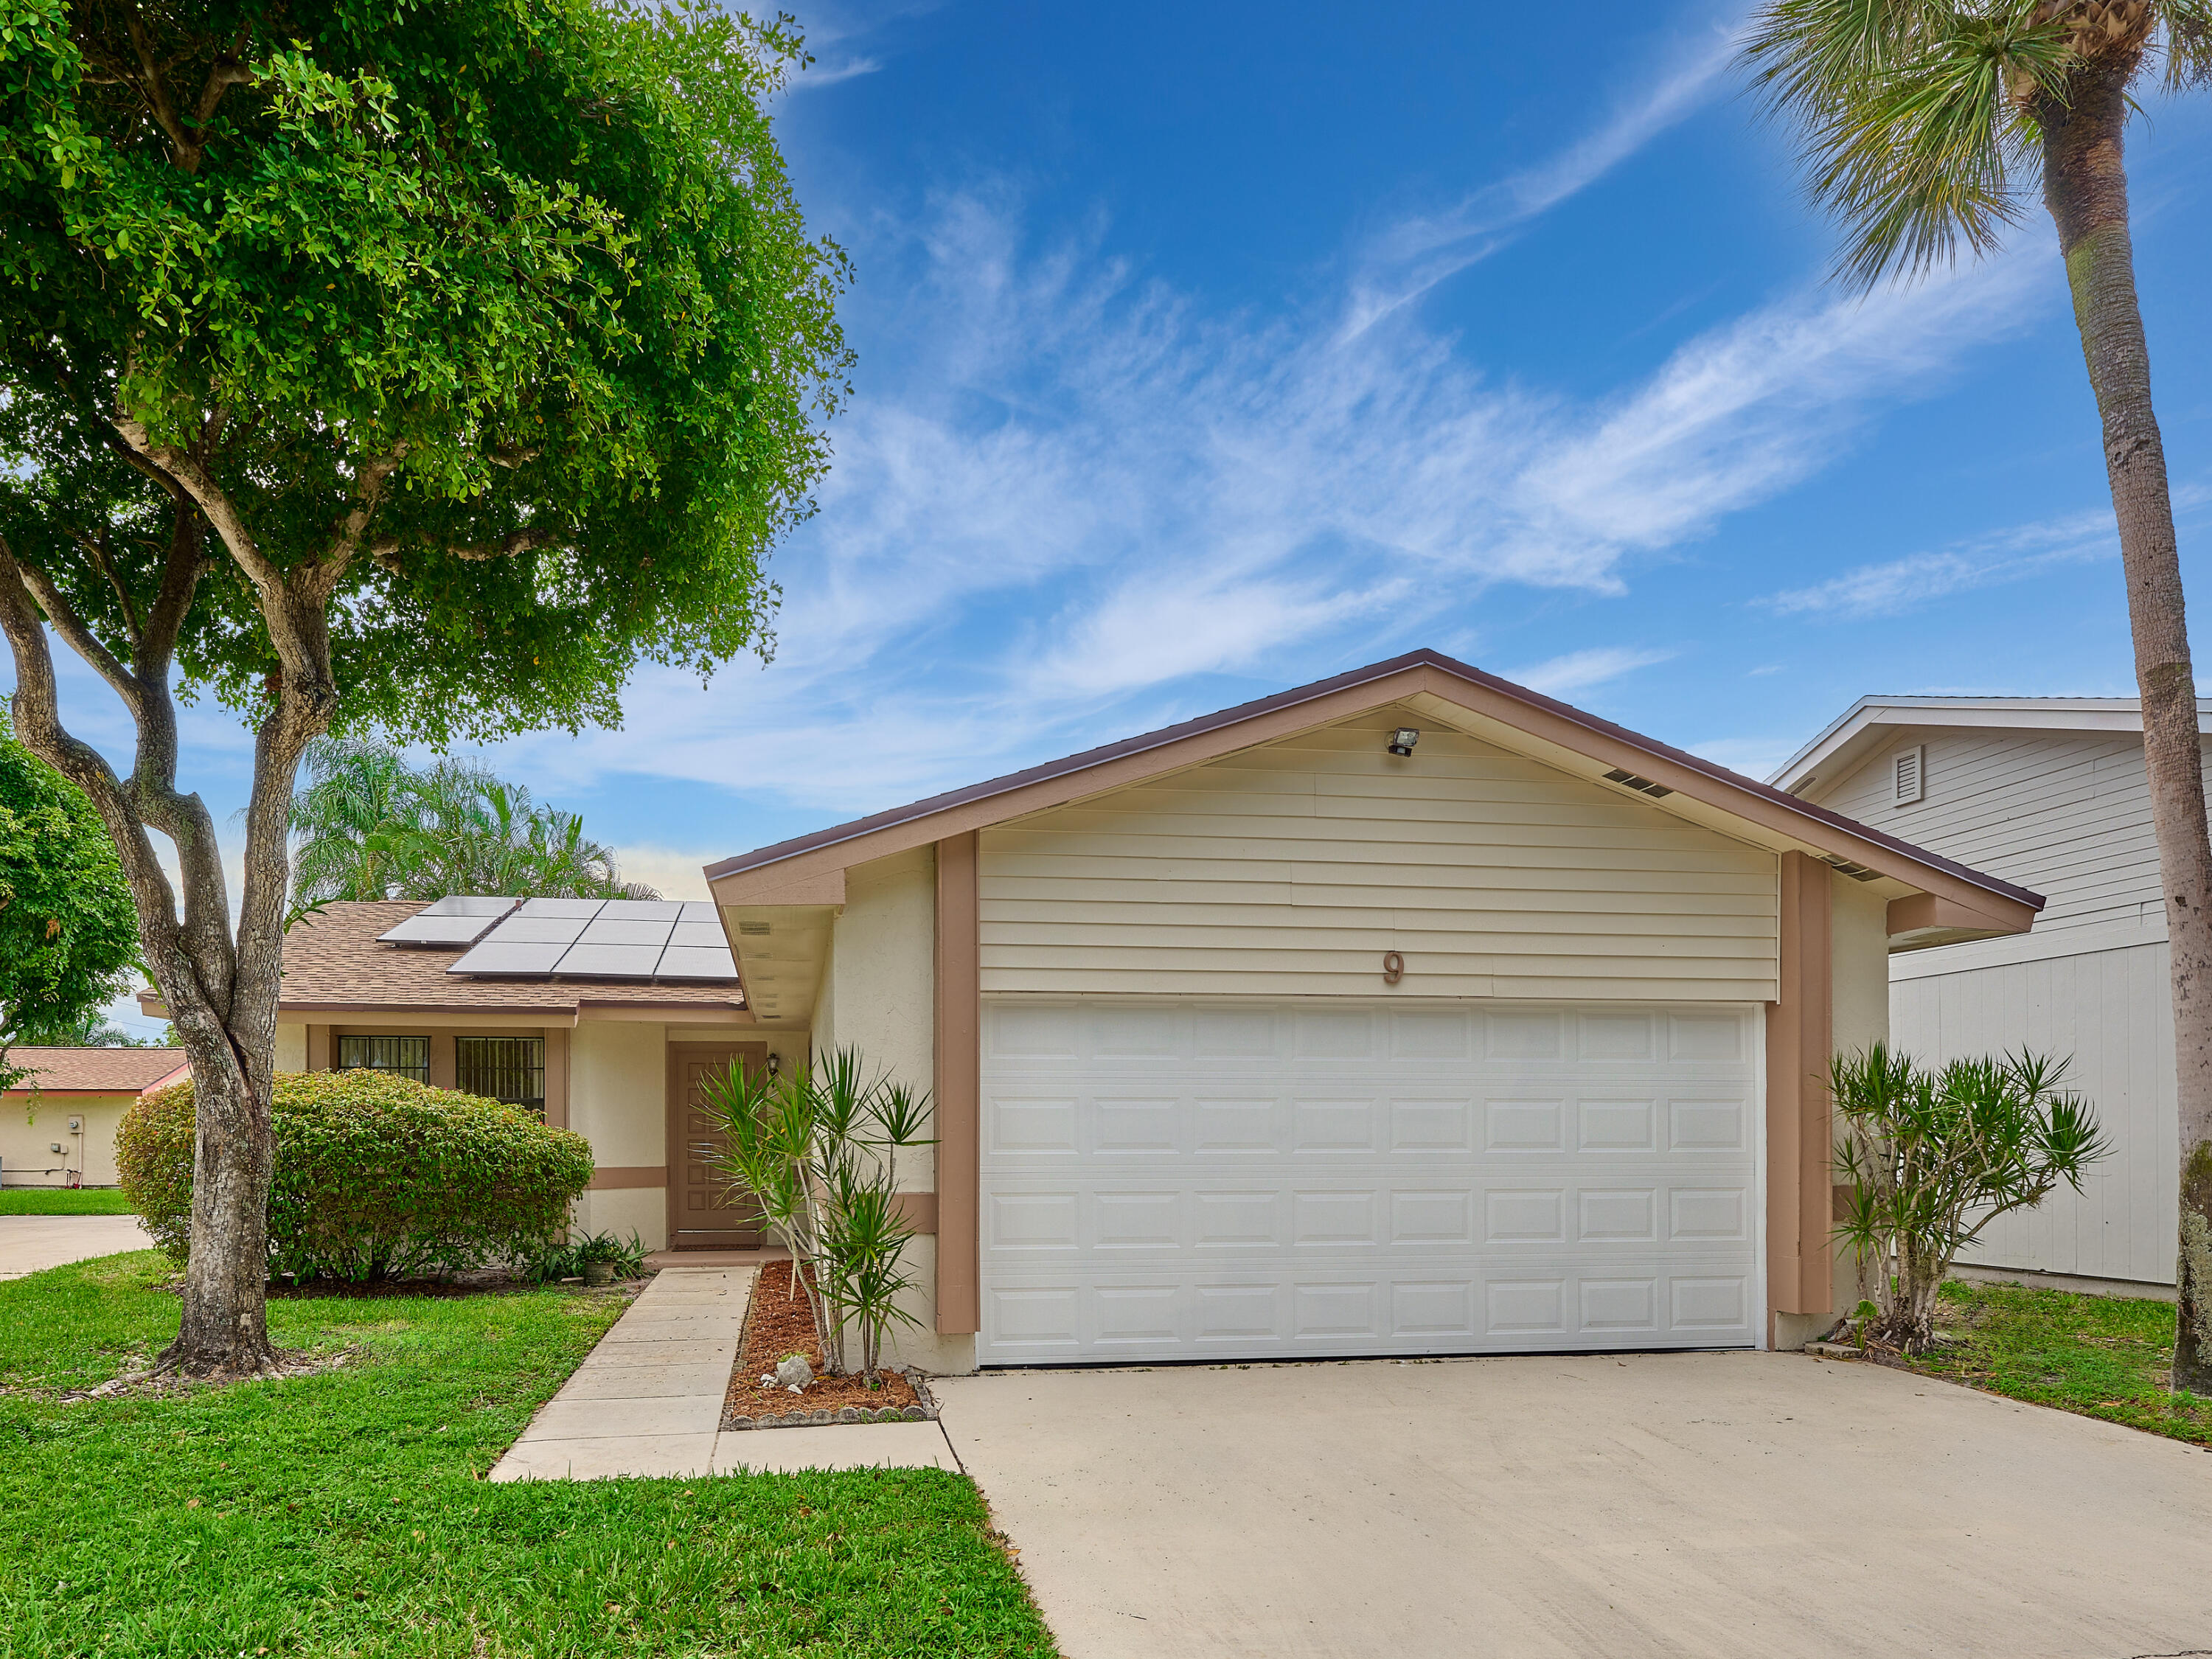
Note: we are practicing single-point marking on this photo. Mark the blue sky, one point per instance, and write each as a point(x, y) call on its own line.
point(1206, 350)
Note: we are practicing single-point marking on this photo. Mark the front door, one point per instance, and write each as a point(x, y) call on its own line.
point(705, 1212)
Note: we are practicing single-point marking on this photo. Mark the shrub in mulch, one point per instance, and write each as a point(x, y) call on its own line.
point(777, 1326)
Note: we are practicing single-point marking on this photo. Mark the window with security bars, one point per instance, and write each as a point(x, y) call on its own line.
point(403, 1056)
point(512, 1069)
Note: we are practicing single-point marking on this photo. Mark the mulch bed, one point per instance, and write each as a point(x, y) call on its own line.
point(777, 1326)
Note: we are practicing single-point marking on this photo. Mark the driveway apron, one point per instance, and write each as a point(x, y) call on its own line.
point(32, 1244)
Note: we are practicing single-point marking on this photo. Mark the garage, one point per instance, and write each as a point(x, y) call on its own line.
point(1408, 1012)
point(1175, 1181)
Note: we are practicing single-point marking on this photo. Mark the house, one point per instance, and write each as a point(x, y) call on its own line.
point(2049, 792)
point(601, 1015)
point(1407, 1012)
point(58, 1126)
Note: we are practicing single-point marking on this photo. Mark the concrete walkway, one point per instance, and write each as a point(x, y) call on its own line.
point(32, 1244)
point(1725, 1506)
point(648, 1401)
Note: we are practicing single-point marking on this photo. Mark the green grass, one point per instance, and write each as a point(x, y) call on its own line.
point(64, 1201)
point(2102, 1355)
point(344, 1513)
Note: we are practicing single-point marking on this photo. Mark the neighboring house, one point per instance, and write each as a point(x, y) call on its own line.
point(58, 1127)
point(601, 1015)
point(1407, 1013)
point(2048, 792)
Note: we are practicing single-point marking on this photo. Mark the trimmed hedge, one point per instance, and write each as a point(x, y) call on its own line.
point(376, 1176)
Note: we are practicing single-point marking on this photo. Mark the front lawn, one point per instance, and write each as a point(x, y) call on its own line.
point(2103, 1356)
point(344, 1513)
point(64, 1201)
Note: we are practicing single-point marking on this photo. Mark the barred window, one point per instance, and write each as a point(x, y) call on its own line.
point(512, 1069)
point(403, 1056)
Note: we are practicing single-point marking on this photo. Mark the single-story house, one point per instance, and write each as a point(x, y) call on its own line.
point(601, 1015)
point(58, 1126)
point(2048, 792)
point(1407, 1013)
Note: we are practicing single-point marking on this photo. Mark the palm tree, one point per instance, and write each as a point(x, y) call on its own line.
point(1924, 123)
point(369, 826)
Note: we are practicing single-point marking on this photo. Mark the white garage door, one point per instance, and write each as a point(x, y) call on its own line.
point(1194, 1181)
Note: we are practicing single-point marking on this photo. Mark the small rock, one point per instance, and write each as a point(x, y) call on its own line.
point(767, 1379)
point(794, 1373)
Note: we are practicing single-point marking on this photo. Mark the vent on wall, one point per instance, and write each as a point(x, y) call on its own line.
point(753, 929)
point(1641, 786)
point(1856, 871)
point(1908, 775)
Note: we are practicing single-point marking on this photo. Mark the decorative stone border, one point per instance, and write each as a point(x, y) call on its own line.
point(924, 1412)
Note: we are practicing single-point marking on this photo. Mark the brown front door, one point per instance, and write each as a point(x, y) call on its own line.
point(705, 1212)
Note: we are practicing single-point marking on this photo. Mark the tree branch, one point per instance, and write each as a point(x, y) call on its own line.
point(386, 551)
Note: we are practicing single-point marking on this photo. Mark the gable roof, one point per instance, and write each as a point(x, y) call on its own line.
point(95, 1071)
point(808, 869)
point(1847, 740)
point(334, 963)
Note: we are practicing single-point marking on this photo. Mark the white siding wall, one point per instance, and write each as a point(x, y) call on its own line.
point(2065, 814)
point(1291, 868)
point(2109, 1010)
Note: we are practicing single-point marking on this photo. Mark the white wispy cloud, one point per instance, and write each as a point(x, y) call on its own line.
point(1065, 496)
point(1578, 670)
point(2007, 556)
point(1411, 256)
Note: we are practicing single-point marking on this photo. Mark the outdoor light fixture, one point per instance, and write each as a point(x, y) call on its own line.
point(1402, 741)
point(775, 1065)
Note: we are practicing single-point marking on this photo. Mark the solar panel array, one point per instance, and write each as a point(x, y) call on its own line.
point(595, 939)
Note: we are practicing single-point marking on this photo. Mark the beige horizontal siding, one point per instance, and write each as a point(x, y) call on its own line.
point(1290, 870)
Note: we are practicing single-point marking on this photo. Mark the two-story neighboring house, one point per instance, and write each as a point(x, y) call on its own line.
point(2050, 793)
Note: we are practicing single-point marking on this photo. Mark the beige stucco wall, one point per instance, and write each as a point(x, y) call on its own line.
point(879, 991)
point(29, 1126)
point(1858, 970)
point(291, 1048)
point(625, 1210)
point(1291, 868)
point(618, 1091)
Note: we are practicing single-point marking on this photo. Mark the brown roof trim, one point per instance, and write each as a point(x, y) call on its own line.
point(1320, 689)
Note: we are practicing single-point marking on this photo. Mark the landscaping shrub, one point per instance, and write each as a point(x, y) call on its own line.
point(376, 1176)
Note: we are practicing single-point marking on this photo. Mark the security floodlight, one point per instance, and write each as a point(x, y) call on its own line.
point(1402, 741)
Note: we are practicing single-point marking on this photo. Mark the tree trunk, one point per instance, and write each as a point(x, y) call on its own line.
point(2085, 188)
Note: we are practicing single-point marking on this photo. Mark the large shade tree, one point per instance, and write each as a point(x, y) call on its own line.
point(1926, 126)
point(424, 366)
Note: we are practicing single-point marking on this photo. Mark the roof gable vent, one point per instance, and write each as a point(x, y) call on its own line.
point(1641, 786)
point(1908, 775)
point(1856, 871)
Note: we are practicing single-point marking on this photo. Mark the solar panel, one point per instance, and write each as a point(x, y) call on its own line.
point(692, 962)
point(461, 920)
point(584, 909)
point(618, 930)
point(603, 939)
point(609, 961)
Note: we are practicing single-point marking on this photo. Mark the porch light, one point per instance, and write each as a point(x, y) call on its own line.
point(1402, 741)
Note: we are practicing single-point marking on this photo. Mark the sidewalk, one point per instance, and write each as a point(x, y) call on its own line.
point(32, 1244)
point(648, 1401)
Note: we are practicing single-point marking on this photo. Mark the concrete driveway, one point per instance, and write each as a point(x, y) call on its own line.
point(31, 1243)
point(1764, 1505)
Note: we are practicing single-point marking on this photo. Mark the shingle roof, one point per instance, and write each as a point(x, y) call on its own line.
point(333, 961)
point(95, 1071)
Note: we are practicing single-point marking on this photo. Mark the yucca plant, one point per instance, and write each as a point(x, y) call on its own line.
point(1929, 1159)
point(818, 1150)
point(1926, 126)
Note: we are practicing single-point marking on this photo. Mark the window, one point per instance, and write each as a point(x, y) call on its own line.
point(1908, 775)
point(512, 1069)
point(402, 1056)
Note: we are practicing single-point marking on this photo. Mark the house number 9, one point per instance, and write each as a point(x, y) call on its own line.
point(1393, 967)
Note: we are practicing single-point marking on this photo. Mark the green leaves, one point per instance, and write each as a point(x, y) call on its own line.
point(68, 935)
point(1930, 1159)
point(1920, 119)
